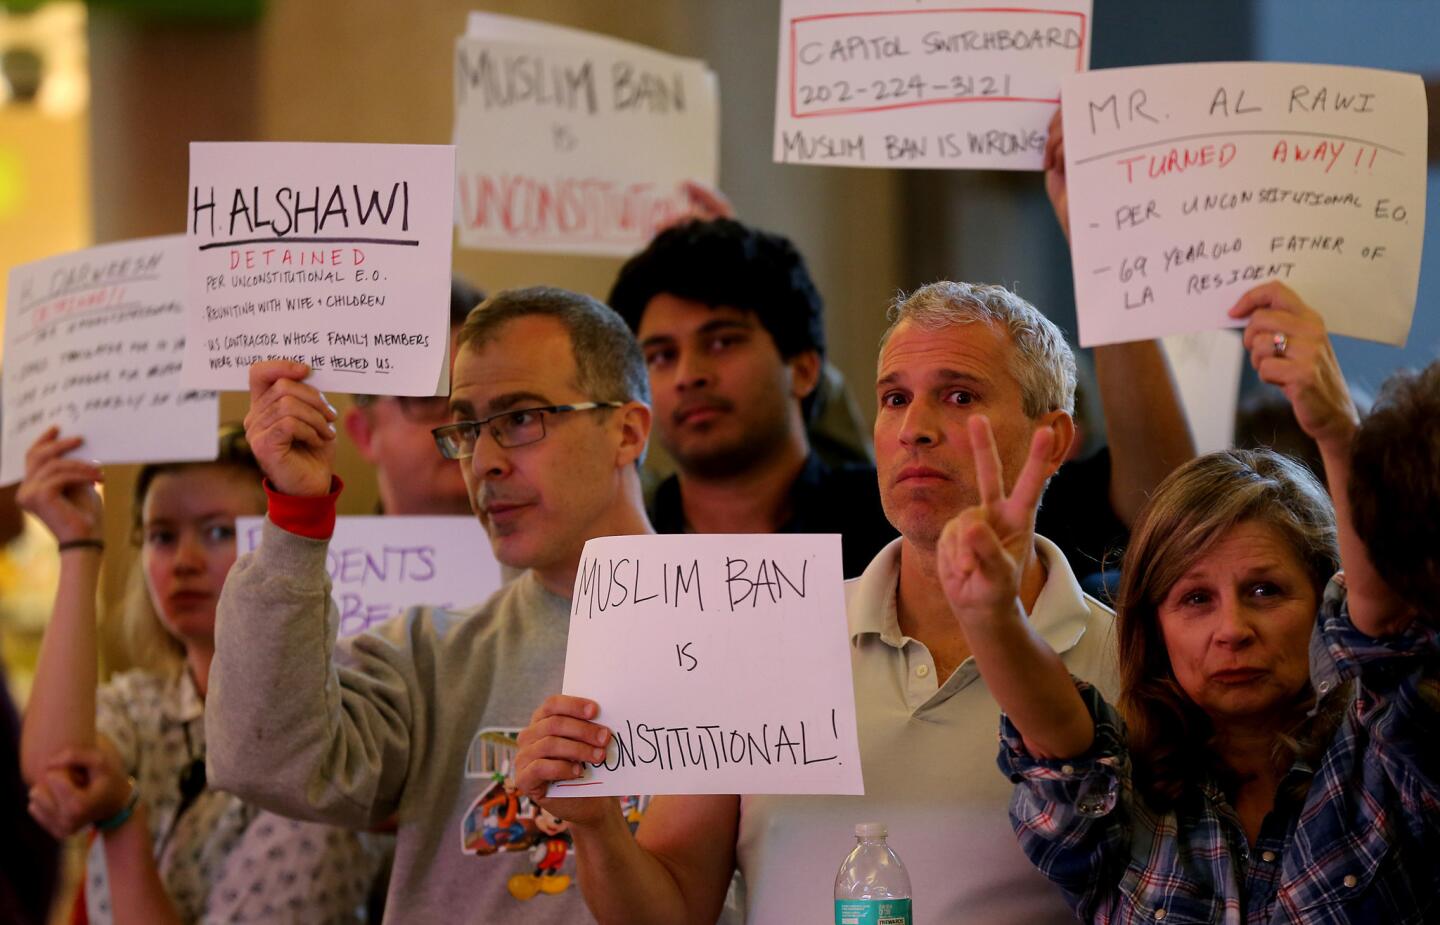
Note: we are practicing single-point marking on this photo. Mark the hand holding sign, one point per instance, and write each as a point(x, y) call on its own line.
point(981, 551)
point(555, 747)
point(1289, 348)
point(290, 428)
point(60, 491)
point(1055, 186)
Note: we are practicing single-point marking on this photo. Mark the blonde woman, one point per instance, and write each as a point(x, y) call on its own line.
point(128, 757)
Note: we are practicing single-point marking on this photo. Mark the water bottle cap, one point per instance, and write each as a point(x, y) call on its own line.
point(871, 830)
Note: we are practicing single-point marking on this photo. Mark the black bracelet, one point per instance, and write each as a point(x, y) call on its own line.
point(88, 542)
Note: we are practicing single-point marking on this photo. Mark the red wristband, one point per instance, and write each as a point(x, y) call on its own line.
point(305, 516)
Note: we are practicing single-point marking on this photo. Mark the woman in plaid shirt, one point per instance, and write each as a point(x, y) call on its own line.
point(1263, 765)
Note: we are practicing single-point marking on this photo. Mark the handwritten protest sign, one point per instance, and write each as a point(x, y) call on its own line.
point(933, 83)
point(337, 255)
point(1207, 367)
point(1190, 184)
point(379, 566)
point(575, 143)
point(93, 341)
point(721, 662)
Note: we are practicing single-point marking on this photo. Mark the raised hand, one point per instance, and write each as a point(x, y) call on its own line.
point(81, 786)
point(983, 550)
point(291, 428)
point(61, 491)
point(1290, 348)
point(1055, 185)
point(555, 747)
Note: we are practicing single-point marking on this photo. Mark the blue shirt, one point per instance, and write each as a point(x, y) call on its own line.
point(1361, 845)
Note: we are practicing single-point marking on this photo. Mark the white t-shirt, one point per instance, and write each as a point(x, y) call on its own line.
point(928, 747)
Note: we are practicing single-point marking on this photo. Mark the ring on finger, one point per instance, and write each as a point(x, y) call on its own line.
point(1279, 343)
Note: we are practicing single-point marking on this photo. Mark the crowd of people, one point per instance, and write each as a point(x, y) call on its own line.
point(1241, 739)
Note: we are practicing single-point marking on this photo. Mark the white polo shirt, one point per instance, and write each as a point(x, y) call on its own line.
point(928, 747)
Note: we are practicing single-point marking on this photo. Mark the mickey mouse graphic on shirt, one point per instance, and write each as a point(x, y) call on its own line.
point(500, 821)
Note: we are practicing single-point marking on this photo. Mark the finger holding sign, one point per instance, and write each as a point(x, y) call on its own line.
point(554, 748)
point(290, 428)
point(1290, 348)
point(59, 490)
point(1055, 185)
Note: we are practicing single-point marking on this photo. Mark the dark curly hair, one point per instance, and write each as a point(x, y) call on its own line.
point(724, 262)
point(1395, 484)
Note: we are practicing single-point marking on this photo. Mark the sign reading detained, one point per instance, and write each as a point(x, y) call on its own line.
point(379, 566)
point(1192, 183)
point(924, 83)
point(335, 255)
point(575, 143)
point(721, 663)
point(92, 344)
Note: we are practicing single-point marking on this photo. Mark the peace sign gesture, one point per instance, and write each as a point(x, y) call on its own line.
point(983, 550)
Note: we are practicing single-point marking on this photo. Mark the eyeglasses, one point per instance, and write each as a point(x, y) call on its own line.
point(509, 428)
point(417, 409)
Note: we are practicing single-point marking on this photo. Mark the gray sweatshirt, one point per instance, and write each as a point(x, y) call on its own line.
point(414, 719)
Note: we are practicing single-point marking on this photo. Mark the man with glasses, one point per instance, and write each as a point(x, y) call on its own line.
point(415, 718)
point(392, 433)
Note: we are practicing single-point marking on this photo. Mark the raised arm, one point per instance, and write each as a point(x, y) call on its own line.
point(61, 711)
point(1145, 424)
point(1290, 348)
point(677, 868)
point(979, 557)
point(287, 727)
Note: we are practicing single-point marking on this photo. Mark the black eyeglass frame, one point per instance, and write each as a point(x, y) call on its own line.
point(471, 430)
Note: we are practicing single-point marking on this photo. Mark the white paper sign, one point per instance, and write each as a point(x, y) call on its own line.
point(721, 662)
point(576, 144)
point(93, 341)
point(1207, 367)
point(924, 83)
point(337, 255)
point(379, 566)
point(1192, 183)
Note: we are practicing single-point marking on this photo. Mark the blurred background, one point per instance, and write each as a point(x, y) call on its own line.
point(98, 102)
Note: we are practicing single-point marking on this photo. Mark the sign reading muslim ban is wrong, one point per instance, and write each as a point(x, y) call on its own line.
point(379, 566)
point(93, 341)
point(1190, 184)
point(335, 255)
point(924, 83)
point(571, 142)
point(721, 663)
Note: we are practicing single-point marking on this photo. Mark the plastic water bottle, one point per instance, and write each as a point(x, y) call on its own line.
point(872, 887)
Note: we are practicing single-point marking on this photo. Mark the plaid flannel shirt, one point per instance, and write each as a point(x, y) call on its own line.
point(1362, 845)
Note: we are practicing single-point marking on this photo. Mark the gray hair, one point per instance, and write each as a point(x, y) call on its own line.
point(1044, 364)
point(608, 362)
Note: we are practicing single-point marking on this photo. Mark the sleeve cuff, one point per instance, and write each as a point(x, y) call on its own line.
point(1091, 782)
point(1342, 651)
point(311, 517)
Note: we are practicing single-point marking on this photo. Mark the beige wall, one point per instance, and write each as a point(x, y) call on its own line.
point(380, 71)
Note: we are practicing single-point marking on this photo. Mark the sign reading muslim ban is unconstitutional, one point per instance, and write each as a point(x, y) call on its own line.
point(93, 341)
point(924, 83)
point(335, 255)
point(721, 663)
point(1190, 184)
point(379, 566)
point(575, 143)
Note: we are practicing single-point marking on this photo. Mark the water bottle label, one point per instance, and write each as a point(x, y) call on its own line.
point(872, 912)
